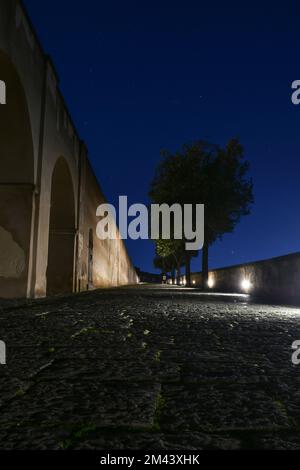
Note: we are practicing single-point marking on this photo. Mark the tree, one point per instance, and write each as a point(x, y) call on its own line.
point(228, 195)
point(166, 265)
point(202, 173)
point(172, 251)
point(172, 257)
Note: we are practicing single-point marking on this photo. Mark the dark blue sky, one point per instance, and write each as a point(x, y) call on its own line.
point(141, 76)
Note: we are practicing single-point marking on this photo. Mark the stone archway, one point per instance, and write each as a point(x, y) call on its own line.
point(16, 184)
point(60, 269)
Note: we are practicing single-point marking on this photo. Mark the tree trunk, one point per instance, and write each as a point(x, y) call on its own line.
point(205, 266)
point(188, 269)
point(178, 275)
point(173, 276)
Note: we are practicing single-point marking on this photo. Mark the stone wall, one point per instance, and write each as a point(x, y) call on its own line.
point(49, 193)
point(102, 263)
point(275, 279)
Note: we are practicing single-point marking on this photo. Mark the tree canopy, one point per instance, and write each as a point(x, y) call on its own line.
point(204, 173)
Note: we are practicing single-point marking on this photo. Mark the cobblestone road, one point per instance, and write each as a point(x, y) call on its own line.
point(149, 367)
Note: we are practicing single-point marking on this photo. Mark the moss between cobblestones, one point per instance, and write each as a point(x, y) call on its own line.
point(82, 432)
point(78, 432)
point(159, 407)
point(157, 355)
point(20, 393)
point(92, 329)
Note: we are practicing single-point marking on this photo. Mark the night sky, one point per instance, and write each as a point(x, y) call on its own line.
point(141, 76)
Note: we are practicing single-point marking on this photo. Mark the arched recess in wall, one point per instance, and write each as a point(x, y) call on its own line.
point(60, 268)
point(16, 183)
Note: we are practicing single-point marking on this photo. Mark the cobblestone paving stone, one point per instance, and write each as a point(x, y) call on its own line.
point(150, 368)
